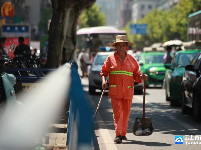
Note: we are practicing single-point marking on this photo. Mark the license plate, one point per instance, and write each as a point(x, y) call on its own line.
point(30, 86)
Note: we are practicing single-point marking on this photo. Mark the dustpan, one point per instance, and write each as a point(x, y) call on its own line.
point(143, 122)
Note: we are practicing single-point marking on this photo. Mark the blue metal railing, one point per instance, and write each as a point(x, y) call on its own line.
point(80, 123)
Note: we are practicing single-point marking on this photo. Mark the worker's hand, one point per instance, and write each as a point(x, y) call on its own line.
point(104, 85)
point(143, 77)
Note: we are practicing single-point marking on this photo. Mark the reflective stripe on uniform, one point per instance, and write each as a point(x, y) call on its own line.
point(112, 85)
point(122, 72)
point(130, 87)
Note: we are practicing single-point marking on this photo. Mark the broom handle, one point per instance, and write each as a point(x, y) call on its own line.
point(99, 103)
point(144, 99)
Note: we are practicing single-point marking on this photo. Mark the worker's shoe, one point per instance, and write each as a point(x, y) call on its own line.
point(124, 138)
point(118, 139)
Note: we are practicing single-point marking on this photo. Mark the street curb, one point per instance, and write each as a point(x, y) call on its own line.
point(99, 140)
point(102, 134)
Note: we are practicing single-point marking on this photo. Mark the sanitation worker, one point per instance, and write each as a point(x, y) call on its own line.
point(122, 69)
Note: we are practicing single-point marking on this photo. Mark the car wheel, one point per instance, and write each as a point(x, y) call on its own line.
point(92, 90)
point(140, 92)
point(184, 108)
point(172, 102)
point(196, 108)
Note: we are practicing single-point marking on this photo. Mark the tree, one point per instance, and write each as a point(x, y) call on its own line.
point(196, 6)
point(179, 19)
point(164, 25)
point(62, 32)
point(45, 16)
point(92, 17)
point(155, 32)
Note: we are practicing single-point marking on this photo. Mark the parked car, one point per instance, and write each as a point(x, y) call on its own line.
point(191, 88)
point(152, 64)
point(95, 80)
point(136, 55)
point(174, 74)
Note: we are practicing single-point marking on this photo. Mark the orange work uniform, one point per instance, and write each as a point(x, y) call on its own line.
point(121, 87)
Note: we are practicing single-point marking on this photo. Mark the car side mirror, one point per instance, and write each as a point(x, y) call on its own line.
point(141, 63)
point(190, 68)
point(12, 47)
point(167, 66)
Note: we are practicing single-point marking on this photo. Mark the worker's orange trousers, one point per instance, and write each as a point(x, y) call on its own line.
point(121, 111)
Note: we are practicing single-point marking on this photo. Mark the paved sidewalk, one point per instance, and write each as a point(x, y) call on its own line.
point(57, 136)
point(55, 139)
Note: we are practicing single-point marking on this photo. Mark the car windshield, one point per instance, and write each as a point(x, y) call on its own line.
point(100, 59)
point(185, 59)
point(150, 59)
point(138, 58)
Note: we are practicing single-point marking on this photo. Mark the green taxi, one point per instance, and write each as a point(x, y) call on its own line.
point(174, 75)
point(152, 64)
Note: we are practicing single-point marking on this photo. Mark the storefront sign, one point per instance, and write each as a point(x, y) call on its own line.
point(12, 32)
point(7, 10)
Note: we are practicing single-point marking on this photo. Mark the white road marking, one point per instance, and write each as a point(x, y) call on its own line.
point(104, 132)
point(108, 141)
point(185, 125)
point(140, 99)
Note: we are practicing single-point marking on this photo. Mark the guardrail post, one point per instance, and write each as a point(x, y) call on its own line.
point(80, 124)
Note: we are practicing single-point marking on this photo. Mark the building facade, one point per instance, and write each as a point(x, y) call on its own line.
point(166, 4)
point(35, 8)
point(173, 3)
point(117, 12)
point(28, 12)
point(20, 10)
point(126, 12)
point(141, 7)
point(163, 5)
point(111, 8)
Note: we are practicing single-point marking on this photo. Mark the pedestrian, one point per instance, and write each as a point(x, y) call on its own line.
point(122, 69)
point(22, 49)
point(167, 58)
point(77, 53)
point(45, 51)
point(134, 53)
point(178, 48)
point(91, 60)
point(3, 49)
point(34, 54)
point(92, 57)
point(4, 42)
point(83, 59)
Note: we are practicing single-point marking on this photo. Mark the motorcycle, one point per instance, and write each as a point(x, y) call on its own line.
point(35, 62)
point(19, 61)
point(9, 87)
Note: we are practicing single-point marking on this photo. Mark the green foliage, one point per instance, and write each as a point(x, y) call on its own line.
point(196, 5)
point(164, 25)
point(180, 18)
point(92, 17)
point(45, 16)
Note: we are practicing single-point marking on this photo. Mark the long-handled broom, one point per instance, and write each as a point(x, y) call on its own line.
point(143, 123)
point(99, 103)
